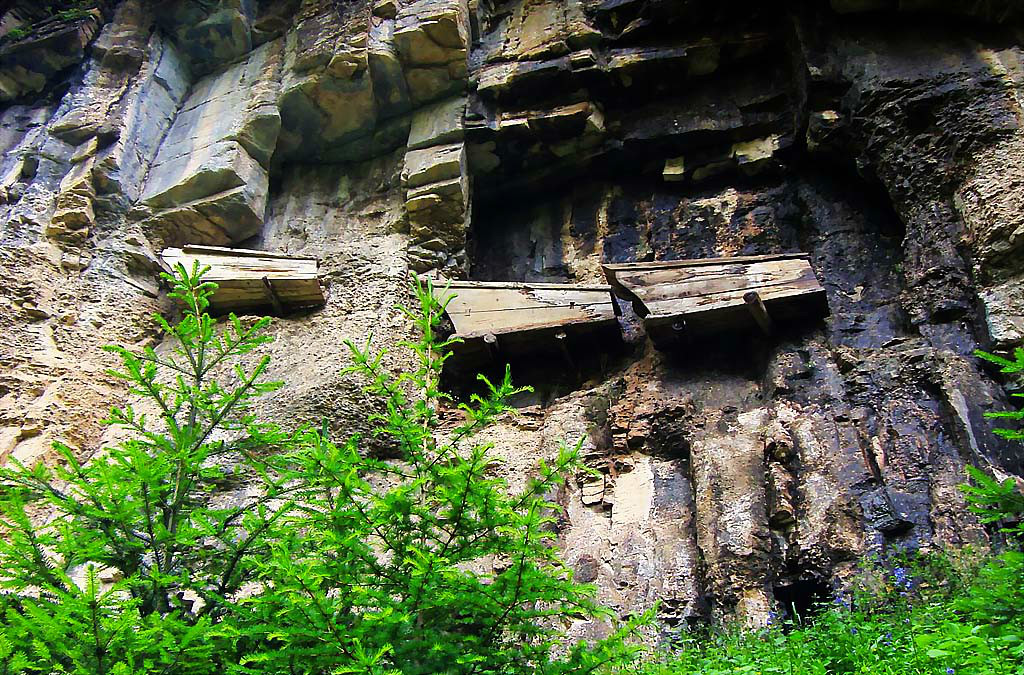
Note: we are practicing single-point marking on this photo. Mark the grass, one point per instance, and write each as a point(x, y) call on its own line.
point(942, 614)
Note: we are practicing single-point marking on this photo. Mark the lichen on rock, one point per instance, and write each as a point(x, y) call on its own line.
point(535, 140)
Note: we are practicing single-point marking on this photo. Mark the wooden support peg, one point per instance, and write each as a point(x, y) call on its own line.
point(759, 311)
point(563, 346)
point(272, 296)
point(491, 341)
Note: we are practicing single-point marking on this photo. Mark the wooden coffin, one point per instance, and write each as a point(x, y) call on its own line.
point(697, 298)
point(252, 279)
point(507, 318)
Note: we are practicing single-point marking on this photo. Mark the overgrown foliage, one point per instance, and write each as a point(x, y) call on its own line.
point(212, 542)
point(145, 514)
point(431, 564)
point(1013, 367)
point(996, 501)
point(934, 614)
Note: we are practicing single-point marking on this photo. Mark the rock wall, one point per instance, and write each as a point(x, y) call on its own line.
point(535, 140)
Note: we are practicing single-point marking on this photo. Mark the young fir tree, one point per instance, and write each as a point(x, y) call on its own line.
point(145, 514)
point(1009, 367)
point(427, 564)
point(334, 562)
point(1000, 501)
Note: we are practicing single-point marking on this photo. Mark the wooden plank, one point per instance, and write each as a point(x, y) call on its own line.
point(734, 299)
point(710, 295)
point(242, 277)
point(196, 249)
point(723, 270)
point(705, 281)
point(497, 308)
point(666, 303)
point(225, 267)
point(697, 262)
point(536, 323)
point(292, 292)
point(503, 300)
point(438, 286)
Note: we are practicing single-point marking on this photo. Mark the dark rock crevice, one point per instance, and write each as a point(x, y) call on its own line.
point(534, 141)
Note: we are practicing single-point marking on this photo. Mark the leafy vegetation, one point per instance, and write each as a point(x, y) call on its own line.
point(212, 542)
point(146, 514)
point(44, 13)
point(440, 567)
point(209, 541)
point(924, 615)
point(1013, 367)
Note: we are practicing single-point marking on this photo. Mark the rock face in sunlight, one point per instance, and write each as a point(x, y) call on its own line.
point(534, 141)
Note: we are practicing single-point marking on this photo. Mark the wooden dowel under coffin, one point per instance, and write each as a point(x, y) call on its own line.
point(758, 311)
point(712, 296)
point(250, 280)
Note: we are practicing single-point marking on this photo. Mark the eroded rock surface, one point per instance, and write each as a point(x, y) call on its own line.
point(535, 140)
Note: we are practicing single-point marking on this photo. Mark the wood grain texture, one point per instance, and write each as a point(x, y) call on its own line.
point(240, 274)
point(478, 308)
point(707, 295)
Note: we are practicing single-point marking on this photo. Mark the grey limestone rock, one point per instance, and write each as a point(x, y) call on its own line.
point(535, 140)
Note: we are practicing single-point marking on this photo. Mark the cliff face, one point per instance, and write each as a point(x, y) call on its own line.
point(534, 140)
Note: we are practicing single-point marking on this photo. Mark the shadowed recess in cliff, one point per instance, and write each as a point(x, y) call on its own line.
point(803, 597)
point(559, 136)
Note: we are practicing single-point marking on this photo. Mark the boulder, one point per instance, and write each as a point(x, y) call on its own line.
point(327, 98)
point(432, 38)
point(438, 216)
point(219, 166)
point(29, 64)
point(435, 164)
point(1004, 312)
point(142, 120)
point(219, 148)
point(117, 55)
point(389, 87)
point(209, 34)
point(224, 218)
point(437, 124)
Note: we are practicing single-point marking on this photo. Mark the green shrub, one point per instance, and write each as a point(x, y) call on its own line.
point(145, 515)
point(331, 561)
point(1009, 367)
point(428, 564)
point(1000, 501)
point(16, 33)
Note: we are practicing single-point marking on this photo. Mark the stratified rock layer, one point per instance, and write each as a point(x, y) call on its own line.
point(535, 140)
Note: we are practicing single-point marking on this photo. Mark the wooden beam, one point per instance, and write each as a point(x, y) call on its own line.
point(711, 295)
point(759, 311)
point(272, 296)
point(491, 341)
point(522, 285)
point(242, 276)
point(239, 252)
point(699, 262)
point(563, 346)
point(480, 308)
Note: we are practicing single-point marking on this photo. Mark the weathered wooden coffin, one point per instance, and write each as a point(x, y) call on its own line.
point(696, 298)
point(252, 279)
point(510, 318)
